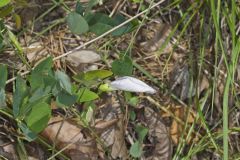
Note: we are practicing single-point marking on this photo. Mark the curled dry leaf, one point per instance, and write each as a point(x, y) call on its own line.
point(64, 133)
point(131, 84)
point(113, 135)
point(180, 82)
point(158, 135)
point(82, 57)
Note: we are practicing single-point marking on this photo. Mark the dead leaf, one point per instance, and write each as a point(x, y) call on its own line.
point(119, 149)
point(64, 133)
point(81, 57)
point(176, 129)
point(114, 134)
point(158, 135)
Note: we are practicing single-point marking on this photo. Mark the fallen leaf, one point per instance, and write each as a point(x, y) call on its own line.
point(113, 133)
point(63, 133)
point(82, 56)
point(176, 129)
point(158, 135)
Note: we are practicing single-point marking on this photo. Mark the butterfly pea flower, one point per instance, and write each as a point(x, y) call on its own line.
point(129, 84)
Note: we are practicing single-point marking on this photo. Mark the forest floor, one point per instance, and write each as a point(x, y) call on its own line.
point(185, 53)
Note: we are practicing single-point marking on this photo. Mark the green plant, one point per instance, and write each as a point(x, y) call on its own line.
point(136, 148)
point(32, 98)
point(83, 20)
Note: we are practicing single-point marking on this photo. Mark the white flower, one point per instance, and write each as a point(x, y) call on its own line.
point(131, 84)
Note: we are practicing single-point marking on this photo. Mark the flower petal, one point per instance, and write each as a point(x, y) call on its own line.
point(131, 84)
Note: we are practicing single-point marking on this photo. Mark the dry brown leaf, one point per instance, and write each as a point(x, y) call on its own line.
point(64, 133)
point(9, 151)
point(176, 128)
point(204, 84)
point(114, 136)
point(83, 56)
point(119, 149)
point(101, 125)
point(158, 135)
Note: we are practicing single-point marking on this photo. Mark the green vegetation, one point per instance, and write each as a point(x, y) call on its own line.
point(201, 49)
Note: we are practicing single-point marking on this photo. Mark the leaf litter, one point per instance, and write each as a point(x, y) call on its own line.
point(109, 121)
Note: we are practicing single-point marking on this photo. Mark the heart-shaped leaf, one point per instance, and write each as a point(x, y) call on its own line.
point(64, 81)
point(85, 95)
point(21, 92)
point(38, 117)
point(136, 149)
point(142, 132)
point(122, 67)
point(65, 99)
point(76, 23)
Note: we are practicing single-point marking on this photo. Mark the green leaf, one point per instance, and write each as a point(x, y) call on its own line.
point(19, 96)
point(40, 94)
point(105, 88)
point(65, 99)
point(132, 115)
point(122, 67)
point(44, 67)
point(100, 28)
point(100, 23)
point(97, 74)
point(2, 98)
point(91, 3)
point(124, 29)
point(142, 132)
point(91, 77)
point(4, 2)
point(77, 24)
point(79, 8)
point(133, 101)
point(85, 95)
point(94, 18)
point(18, 20)
point(39, 116)
point(49, 81)
point(3, 79)
point(87, 115)
point(136, 149)
point(17, 45)
point(27, 132)
point(6, 11)
point(64, 81)
point(41, 72)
